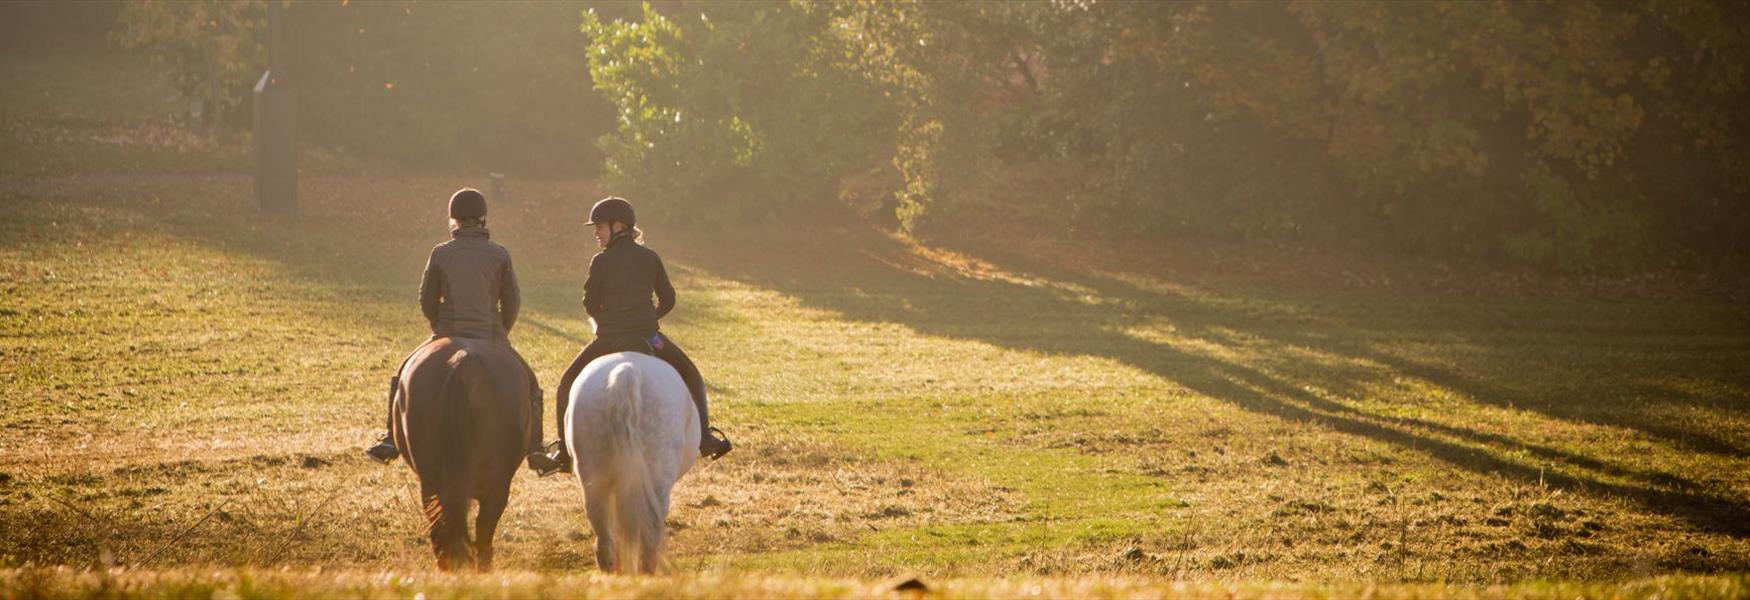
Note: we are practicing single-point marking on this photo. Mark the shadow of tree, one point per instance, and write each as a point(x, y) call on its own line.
point(1508, 341)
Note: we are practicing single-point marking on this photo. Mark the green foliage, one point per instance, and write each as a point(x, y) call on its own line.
point(915, 158)
point(1579, 225)
point(1548, 133)
point(214, 49)
point(730, 111)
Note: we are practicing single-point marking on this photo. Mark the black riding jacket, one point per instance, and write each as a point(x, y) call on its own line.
point(622, 280)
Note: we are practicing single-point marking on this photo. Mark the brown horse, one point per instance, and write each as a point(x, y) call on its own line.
point(460, 421)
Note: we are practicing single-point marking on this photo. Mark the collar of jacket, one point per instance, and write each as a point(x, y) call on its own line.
point(471, 232)
point(622, 237)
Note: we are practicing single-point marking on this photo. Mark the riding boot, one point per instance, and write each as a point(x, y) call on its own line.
point(558, 453)
point(539, 462)
point(385, 450)
point(713, 444)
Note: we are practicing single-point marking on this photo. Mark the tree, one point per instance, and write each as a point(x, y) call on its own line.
point(498, 86)
point(214, 49)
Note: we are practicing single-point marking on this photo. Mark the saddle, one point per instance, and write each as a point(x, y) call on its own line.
point(631, 343)
point(642, 345)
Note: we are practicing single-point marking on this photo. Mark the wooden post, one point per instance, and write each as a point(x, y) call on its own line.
point(276, 120)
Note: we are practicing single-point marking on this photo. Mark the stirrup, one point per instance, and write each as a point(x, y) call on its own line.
point(550, 468)
point(383, 452)
point(554, 451)
point(718, 435)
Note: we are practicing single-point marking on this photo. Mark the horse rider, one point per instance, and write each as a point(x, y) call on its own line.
point(623, 278)
point(469, 290)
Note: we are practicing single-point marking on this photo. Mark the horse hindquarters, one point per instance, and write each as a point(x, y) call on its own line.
point(462, 420)
point(638, 512)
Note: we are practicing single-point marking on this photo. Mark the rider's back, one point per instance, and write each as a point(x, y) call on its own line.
point(469, 288)
point(623, 279)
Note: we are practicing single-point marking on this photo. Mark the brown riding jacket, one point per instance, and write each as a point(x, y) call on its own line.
point(469, 288)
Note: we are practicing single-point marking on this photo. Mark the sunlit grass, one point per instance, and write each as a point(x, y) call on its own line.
point(65, 583)
point(206, 362)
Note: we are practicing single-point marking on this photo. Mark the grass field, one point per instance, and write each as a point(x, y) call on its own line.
point(246, 583)
point(189, 384)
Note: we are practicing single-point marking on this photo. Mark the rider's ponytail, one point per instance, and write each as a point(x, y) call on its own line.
point(633, 232)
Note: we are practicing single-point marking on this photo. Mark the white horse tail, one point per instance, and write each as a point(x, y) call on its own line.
point(636, 514)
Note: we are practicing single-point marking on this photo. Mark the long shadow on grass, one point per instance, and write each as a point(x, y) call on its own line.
point(876, 279)
point(1595, 393)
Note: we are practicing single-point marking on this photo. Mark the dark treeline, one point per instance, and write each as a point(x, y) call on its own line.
point(1577, 135)
point(500, 86)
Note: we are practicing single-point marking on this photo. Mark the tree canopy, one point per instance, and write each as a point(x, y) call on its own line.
point(1577, 135)
point(497, 86)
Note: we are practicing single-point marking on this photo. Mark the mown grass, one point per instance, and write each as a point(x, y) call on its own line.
point(245, 583)
point(188, 384)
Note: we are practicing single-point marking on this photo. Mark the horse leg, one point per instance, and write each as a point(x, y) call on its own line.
point(437, 526)
point(653, 552)
point(595, 502)
point(485, 525)
point(448, 528)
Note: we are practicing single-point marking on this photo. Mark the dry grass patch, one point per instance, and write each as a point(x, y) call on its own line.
point(795, 492)
point(249, 583)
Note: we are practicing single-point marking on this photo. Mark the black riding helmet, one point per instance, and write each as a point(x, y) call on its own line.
point(467, 203)
point(612, 208)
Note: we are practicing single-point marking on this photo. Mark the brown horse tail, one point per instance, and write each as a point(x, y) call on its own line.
point(449, 513)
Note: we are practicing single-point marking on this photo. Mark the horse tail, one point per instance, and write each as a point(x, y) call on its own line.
point(448, 511)
point(637, 515)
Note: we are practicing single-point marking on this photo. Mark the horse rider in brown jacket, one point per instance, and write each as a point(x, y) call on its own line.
point(469, 290)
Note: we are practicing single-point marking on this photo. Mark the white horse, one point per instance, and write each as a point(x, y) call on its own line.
point(632, 431)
